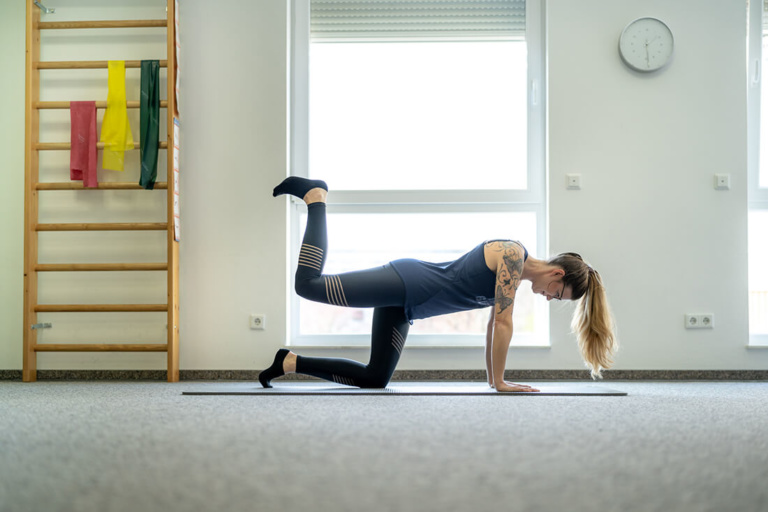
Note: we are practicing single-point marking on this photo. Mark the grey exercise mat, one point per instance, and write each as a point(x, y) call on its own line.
point(400, 388)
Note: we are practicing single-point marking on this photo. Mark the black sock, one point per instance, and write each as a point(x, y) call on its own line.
point(274, 371)
point(297, 186)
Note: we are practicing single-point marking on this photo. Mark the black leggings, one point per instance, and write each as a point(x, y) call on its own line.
point(379, 288)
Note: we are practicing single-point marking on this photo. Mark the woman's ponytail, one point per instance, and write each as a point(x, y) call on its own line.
point(593, 324)
point(592, 319)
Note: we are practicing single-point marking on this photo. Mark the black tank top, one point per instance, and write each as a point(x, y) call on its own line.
point(433, 289)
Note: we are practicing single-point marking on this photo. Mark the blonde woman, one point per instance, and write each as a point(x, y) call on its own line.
point(406, 290)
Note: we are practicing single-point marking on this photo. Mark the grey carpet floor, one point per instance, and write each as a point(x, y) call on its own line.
point(120, 446)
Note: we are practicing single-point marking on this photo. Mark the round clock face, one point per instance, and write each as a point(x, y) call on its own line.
point(646, 44)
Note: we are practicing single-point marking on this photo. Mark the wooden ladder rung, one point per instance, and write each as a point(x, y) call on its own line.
point(89, 64)
point(47, 105)
point(105, 226)
point(47, 146)
point(99, 267)
point(78, 185)
point(102, 347)
point(99, 308)
point(48, 25)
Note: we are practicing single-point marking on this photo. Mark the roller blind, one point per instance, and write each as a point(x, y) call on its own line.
point(333, 20)
point(765, 17)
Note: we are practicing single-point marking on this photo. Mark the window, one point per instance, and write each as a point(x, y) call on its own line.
point(758, 175)
point(758, 272)
point(418, 115)
point(391, 235)
point(429, 129)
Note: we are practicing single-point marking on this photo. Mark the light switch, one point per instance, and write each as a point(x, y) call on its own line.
point(722, 182)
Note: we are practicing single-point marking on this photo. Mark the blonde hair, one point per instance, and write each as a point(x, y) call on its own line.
point(592, 319)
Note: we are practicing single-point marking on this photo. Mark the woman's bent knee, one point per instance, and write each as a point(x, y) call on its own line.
point(305, 288)
point(375, 381)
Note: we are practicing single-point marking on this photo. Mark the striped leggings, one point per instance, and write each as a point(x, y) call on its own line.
point(380, 288)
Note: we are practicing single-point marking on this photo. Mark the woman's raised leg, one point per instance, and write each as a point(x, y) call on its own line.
point(380, 288)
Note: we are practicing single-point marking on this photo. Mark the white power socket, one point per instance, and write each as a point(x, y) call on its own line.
point(257, 322)
point(704, 321)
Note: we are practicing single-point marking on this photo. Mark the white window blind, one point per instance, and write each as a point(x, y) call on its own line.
point(765, 17)
point(417, 19)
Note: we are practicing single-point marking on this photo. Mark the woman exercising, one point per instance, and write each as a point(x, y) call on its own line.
point(407, 289)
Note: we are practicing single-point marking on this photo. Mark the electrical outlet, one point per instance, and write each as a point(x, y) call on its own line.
point(703, 321)
point(257, 322)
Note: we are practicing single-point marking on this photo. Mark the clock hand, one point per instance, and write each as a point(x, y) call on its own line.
point(647, 56)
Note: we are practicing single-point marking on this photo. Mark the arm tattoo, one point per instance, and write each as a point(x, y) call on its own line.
point(515, 265)
point(502, 301)
point(508, 275)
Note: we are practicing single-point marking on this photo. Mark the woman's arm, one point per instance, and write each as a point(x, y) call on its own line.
point(508, 274)
point(488, 345)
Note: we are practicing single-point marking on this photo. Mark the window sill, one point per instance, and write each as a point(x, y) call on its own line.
point(758, 341)
point(421, 341)
point(418, 347)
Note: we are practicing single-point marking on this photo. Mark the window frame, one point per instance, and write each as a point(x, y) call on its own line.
point(757, 197)
point(533, 199)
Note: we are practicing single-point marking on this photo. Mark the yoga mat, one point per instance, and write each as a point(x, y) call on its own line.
point(400, 388)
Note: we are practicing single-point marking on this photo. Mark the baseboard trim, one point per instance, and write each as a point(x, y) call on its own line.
point(402, 375)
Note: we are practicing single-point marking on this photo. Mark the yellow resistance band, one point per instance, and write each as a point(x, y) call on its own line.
point(115, 128)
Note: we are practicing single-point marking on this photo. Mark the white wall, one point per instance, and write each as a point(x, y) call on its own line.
point(648, 147)
point(647, 216)
point(12, 192)
point(234, 101)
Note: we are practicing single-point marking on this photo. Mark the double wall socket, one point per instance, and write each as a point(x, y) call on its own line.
point(705, 321)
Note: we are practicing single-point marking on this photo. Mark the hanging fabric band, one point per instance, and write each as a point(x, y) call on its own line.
point(150, 121)
point(82, 156)
point(115, 128)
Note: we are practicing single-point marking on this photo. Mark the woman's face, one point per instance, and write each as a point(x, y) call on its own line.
point(551, 286)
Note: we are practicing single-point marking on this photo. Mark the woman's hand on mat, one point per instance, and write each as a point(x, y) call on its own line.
point(507, 387)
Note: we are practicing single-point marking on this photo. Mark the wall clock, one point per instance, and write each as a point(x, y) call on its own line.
point(646, 44)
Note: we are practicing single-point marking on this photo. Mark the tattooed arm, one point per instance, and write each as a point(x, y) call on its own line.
point(508, 258)
point(488, 347)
